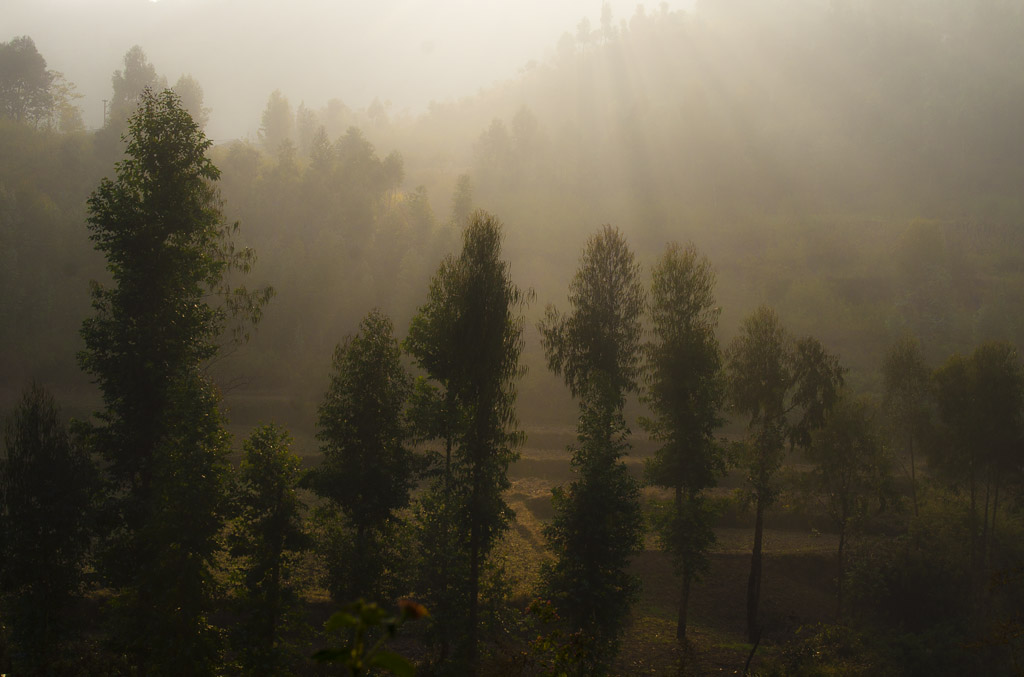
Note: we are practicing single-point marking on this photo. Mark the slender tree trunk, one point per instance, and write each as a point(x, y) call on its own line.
point(684, 603)
point(839, 580)
point(447, 526)
point(474, 578)
point(973, 526)
point(984, 528)
point(754, 583)
point(995, 507)
point(684, 597)
point(913, 475)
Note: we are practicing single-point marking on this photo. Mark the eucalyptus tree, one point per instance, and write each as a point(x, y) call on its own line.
point(980, 402)
point(603, 332)
point(785, 388)
point(368, 467)
point(598, 524)
point(685, 392)
point(468, 338)
point(908, 400)
point(161, 434)
point(851, 471)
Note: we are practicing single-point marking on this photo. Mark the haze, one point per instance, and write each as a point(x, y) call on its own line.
point(572, 322)
point(406, 52)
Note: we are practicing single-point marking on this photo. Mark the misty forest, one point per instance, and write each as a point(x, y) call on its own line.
point(689, 348)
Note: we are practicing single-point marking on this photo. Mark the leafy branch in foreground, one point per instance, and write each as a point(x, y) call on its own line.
point(361, 620)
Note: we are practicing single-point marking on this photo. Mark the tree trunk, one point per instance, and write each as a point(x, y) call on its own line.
point(684, 602)
point(446, 514)
point(839, 580)
point(754, 583)
point(913, 476)
point(684, 596)
point(474, 580)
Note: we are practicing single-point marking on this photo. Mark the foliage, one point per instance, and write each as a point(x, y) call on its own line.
point(268, 533)
point(784, 388)
point(914, 593)
point(45, 491)
point(603, 332)
point(130, 85)
point(161, 435)
point(597, 528)
point(685, 391)
point(851, 470)
point(25, 82)
point(908, 400)
point(981, 407)
point(468, 337)
point(362, 620)
point(368, 469)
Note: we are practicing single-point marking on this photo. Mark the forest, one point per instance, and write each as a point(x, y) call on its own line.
point(692, 348)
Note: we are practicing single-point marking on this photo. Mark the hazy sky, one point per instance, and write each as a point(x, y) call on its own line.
point(409, 52)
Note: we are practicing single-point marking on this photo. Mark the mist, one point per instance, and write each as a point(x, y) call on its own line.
point(621, 339)
point(402, 52)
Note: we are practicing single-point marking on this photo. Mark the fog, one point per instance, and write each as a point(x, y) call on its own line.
point(811, 211)
point(406, 53)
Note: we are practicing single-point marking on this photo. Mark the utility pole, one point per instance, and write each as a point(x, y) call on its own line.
point(104, 112)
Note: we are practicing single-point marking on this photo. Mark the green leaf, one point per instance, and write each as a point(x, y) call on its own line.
point(393, 663)
point(339, 620)
point(331, 655)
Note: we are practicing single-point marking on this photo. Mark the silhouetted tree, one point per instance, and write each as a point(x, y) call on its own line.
point(603, 332)
point(191, 93)
point(851, 471)
point(596, 530)
point(368, 468)
point(685, 391)
point(25, 82)
point(130, 85)
point(45, 491)
point(980, 405)
point(268, 536)
point(784, 388)
point(598, 524)
point(160, 433)
point(277, 123)
point(908, 400)
point(468, 337)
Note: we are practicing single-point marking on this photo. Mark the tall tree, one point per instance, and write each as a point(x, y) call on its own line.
point(367, 469)
point(598, 524)
point(603, 332)
point(596, 530)
point(980, 402)
point(908, 400)
point(45, 490)
point(270, 533)
point(25, 83)
point(191, 94)
point(277, 123)
point(130, 85)
point(685, 392)
point(160, 433)
point(851, 471)
point(784, 388)
point(469, 337)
